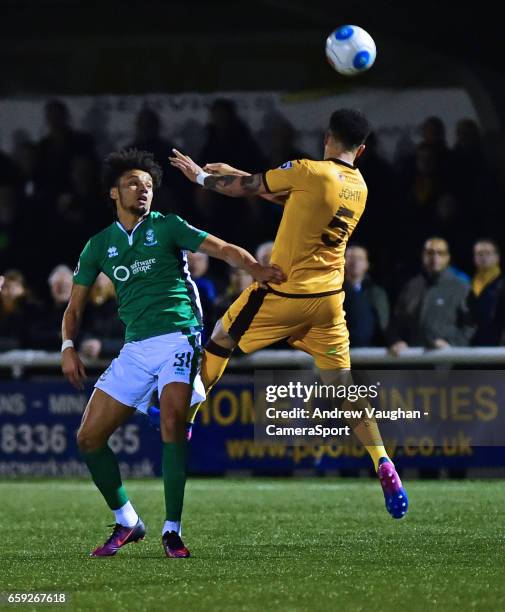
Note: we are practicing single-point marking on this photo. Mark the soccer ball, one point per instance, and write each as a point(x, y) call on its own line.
point(350, 50)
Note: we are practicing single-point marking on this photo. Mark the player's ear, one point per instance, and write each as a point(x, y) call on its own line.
point(113, 193)
point(359, 150)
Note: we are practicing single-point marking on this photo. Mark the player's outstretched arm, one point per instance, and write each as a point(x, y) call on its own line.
point(240, 258)
point(71, 364)
point(225, 169)
point(233, 185)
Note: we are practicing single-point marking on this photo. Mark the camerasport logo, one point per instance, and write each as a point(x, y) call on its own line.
point(123, 273)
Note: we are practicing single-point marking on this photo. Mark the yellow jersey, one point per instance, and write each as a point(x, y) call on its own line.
point(326, 200)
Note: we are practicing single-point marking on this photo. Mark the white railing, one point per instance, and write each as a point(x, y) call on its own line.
point(18, 361)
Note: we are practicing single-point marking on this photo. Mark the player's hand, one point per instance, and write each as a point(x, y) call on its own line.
point(222, 169)
point(186, 165)
point(73, 368)
point(398, 347)
point(268, 274)
point(91, 348)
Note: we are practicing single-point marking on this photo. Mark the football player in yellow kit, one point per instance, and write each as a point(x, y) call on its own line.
point(323, 202)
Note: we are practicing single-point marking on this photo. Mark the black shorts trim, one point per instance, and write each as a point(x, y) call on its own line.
point(304, 295)
point(247, 314)
point(219, 351)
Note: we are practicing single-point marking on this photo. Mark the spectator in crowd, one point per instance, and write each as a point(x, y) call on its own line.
point(431, 310)
point(46, 331)
point(382, 201)
point(264, 252)
point(366, 304)
point(278, 137)
point(17, 308)
point(80, 207)
point(61, 145)
point(198, 268)
point(238, 281)
point(102, 331)
point(230, 140)
point(487, 284)
point(175, 193)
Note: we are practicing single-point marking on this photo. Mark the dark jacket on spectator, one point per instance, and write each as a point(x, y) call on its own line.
point(429, 308)
point(366, 312)
point(102, 322)
point(15, 326)
point(488, 318)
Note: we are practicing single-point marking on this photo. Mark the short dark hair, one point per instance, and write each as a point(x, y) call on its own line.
point(350, 127)
point(490, 241)
point(116, 164)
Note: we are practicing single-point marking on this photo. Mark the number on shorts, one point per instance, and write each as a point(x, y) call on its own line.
point(180, 357)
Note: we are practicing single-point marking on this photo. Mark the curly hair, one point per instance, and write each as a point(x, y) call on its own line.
point(116, 164)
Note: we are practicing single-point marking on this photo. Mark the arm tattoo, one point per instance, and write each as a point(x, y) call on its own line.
point(232, 185)
point(252, 183)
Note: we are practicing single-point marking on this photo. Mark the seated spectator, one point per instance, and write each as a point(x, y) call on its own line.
point(45, 332)
point(487, 284)
point(264, 253)
point(431, 310)
point(239, 280)
point(16, 308)
point(366, 304)
point(102, 332)
point(198, 268)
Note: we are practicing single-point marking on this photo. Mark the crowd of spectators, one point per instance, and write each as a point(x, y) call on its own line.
point(411, 278)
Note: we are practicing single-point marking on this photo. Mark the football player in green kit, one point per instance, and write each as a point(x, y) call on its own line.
point(144, 255)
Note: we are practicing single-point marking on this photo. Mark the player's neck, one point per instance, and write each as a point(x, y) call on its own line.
point(129, 220)
point(345, 156)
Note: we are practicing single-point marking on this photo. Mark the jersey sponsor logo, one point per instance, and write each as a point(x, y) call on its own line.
point(122, 273)
point(286, 165)
point(77, 268)
point(112, 251)
point(150, 238)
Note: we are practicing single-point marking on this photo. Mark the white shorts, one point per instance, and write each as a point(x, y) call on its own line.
point(145, 366)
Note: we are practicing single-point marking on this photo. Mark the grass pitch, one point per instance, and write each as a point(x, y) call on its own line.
point(294, 545)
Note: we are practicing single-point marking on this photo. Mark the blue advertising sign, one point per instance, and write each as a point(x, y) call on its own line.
point(39, 420)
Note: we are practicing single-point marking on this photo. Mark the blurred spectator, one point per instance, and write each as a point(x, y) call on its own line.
point(487, 284)
point(278, 138)
point(264, 253)
point(61, 145)
point(230, 140)
point(16, 310)
point(382, 201)
point(239, 280)
point(431, 310)
point(102, 331)
point(175, 192)
point(46, 331)
point(81, 207)
point(198, 268)
point(366, 304)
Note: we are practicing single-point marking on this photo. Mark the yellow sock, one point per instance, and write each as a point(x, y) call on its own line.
point(214, 362)
point(376, 452)
point(367, 432)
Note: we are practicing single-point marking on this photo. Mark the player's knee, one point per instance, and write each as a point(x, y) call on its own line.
point(87, 441)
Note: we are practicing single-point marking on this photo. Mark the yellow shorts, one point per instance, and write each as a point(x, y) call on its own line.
point(316, 325)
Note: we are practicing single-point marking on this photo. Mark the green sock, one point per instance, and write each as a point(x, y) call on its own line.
point(175, 463)
point(104, 470)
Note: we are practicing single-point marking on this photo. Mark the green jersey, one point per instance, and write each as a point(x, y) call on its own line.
point(149, 269)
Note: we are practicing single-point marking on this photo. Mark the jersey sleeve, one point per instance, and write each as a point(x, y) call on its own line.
point(285, 177)
point(87, 268)
point(186, 236)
